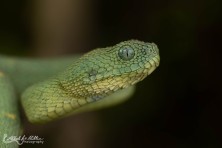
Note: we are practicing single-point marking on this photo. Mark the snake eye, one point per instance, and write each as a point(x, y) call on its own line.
point(126, 53)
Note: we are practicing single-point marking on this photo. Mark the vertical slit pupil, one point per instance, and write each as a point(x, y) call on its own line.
point(126, 53)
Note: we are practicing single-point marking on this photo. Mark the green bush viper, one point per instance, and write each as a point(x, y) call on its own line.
point(100, 78)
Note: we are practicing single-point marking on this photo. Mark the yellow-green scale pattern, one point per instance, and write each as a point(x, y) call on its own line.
point(102, 77)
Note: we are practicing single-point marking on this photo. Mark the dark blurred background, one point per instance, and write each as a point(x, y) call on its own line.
point(178, 106)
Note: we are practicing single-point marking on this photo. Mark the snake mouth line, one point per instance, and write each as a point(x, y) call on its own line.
point(154, 62)
point(150, 66)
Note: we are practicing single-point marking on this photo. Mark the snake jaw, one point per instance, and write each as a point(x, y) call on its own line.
point(117, 67)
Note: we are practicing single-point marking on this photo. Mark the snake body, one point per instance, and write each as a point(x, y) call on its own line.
point(100, 78)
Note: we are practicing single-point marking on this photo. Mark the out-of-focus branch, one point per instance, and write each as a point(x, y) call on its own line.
point(61, 26)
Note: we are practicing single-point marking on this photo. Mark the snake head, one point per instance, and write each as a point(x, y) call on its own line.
point(104, 74)
point(106, 70)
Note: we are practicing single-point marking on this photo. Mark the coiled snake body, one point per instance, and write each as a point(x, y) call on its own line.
point(100, 78)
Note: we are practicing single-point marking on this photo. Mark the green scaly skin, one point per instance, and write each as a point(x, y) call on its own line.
point(91, 81)
point(100, 78)
point(9, 114)
point(16, 74)
point(24, 72)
